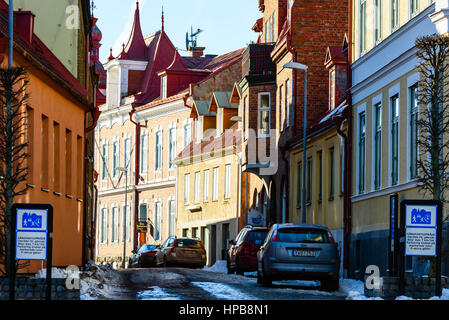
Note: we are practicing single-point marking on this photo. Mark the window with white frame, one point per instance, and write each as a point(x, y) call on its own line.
point(227, 194)
point(187, 134)
point(114, 231)
point(377, 145)
point(115, 158)
point(332, 89)
point(186, 188)
point(158, 150)
point(246, 115)
point(171, 218)
point(206, 185)
point(196, 193)
point(281, 106)
point(394, 12)
point(264, 114)
point(413, 93)
point(143, 212)
point(104, 173)
point(144, 153)
point(171, 146)
point(377, 20)
point(164, 87)
point(127, 214)
point(287, 102)
point(414, 7)
point(215, 184)
point(361, 153)
point(394, 124)
point(362, 28)
point(127, 151)
point(157, 220)
point(104, 225)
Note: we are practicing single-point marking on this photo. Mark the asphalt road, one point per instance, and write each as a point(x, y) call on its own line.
point(195, 284)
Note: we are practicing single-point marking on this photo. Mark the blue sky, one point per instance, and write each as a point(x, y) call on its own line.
point(226, 24)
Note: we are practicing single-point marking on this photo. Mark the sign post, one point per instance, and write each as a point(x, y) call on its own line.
point(393, 239)
point(32, 237)
point(421, 225)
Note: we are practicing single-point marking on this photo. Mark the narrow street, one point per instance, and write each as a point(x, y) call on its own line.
point(195, 284)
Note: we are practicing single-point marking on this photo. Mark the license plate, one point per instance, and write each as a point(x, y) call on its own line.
point(303, 253)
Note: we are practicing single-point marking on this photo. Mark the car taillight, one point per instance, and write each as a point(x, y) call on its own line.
point(174, 246)
point(275, 235)
point(331, 238)
point(246, 249)
point(151, 253)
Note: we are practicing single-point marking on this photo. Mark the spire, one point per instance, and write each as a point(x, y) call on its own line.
point(162, 27)
point(136, 48)
point(110, 55)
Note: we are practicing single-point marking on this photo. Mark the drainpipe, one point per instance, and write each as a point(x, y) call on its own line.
point(136, 175)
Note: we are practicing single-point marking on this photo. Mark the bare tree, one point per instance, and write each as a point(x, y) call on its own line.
point(13, 153)
point(433, 121)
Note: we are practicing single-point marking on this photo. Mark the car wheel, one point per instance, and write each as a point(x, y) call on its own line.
point(330, 285)
point(238, 270)
point(228, 267)
point(259, 277)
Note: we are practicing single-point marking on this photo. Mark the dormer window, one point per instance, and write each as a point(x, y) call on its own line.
point(164, 87)
point(332, 89)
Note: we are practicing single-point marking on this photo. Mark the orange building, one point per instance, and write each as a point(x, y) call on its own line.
point(58, 112)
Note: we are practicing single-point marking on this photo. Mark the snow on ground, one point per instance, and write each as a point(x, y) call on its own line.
point(219, 266)
point(223, 292)
point(156, 293)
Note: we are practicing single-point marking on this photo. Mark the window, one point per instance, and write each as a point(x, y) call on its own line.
point(246, 115)
point(281, 107)
point(299, 183)
point(68, 162)
point(114, 236)
point(287, 99)
point(206, 186)
point(127, 222)
point(157, 221)
point(29, 134)
point(164, 87)
point(377, 145)
point(264, 114)
point(187, 134)
point(394, 13)
point(362, 26)
point(227, 194)
point(104, 173)
point(394, 139)
point(320, 175)
point(104, 225)
point(45, 154)
point(266, 32)
point(171, 218)
point(377, 20)
point(215, 184)
point(273, 27)
point(332, 89)
point(158, 151)
point(143, 214)
point(171, 146)
point(413, 131)
point(186, 188)
point(361, 154)
point(414, 6)
point(144, 153)
point(331, 173)
point(309, 181)
point(196, 196)
point(56, 160)
point(127, 152)
point(115, 158)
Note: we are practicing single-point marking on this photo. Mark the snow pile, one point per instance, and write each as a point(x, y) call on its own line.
point(156, 293)
point(56, 273)
point(219, 266)
point(223, 291)
point(94, 282)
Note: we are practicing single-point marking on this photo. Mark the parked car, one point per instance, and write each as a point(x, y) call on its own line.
point(242, 255)
point(299, 252)
point(187, 252)
point(144, 257)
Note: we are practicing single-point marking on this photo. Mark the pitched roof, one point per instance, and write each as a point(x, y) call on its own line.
point(202, 108)
point(135, 49)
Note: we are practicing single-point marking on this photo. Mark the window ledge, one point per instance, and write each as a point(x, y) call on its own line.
point(331, 198)
point(45, 189)
point(57, 193)
point(69, 196)
point(31, 185)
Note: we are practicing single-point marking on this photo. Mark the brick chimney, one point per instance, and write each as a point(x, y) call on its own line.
point(197, 52)
point(24, 21)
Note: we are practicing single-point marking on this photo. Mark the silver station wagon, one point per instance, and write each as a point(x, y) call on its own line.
point(299, 252)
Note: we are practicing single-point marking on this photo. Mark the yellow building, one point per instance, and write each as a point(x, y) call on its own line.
point(384, 87)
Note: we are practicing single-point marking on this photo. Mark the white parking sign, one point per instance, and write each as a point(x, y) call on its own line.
point(421, 230)
point(31, 234)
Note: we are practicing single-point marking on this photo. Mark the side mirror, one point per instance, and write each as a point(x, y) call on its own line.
point(232, 242)
point(134, 251)
point(158, 246)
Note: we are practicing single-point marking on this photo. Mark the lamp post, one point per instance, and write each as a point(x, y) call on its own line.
point(125, 212)
point(303, 67)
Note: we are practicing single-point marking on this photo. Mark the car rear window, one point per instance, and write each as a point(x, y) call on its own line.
point(302, 235)
point(188, 243)
point(147, 247)
point(257, 236)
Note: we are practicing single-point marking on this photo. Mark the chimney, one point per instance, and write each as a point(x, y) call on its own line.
point(196, 52)
point(24, 21)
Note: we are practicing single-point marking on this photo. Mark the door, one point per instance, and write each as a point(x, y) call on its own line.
point(213, 245)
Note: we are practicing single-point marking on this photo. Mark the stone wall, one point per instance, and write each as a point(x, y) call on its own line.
point(34, 289)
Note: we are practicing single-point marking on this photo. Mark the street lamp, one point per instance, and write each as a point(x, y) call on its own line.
point(121, 169)
point(303, 67)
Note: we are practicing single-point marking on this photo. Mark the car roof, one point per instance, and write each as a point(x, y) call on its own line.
point(301, 225)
